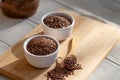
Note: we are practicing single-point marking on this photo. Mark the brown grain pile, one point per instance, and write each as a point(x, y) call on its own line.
point(59, 73)
point(55, 21)
point(41, 46)
point(70, 62)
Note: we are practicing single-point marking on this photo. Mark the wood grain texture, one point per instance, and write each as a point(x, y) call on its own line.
point(44, 7)
point(106, 71)
point(3, 48)
point(12, 32)
point(114, 56)
point(96, 41)
point(94, 7)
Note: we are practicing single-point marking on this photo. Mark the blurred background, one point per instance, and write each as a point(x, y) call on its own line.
point(107, 9)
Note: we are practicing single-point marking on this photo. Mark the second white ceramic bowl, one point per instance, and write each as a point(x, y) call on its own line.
point(40, 61)
point(60, 33)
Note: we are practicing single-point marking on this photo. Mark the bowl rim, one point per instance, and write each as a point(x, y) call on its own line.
point(59, 13)
point(34, 36)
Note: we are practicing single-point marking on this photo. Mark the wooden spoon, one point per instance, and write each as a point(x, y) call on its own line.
point(70, 61)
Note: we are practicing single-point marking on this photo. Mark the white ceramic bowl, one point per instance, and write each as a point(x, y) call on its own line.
point(40, 61)
point(60, 33)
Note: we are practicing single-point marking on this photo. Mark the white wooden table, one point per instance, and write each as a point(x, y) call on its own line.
point(12, 30)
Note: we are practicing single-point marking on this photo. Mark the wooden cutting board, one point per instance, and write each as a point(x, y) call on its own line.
point(96, 41)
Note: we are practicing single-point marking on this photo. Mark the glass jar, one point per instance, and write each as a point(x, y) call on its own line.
point(19, 8)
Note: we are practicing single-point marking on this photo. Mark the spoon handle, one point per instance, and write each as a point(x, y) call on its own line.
point(75, 42)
